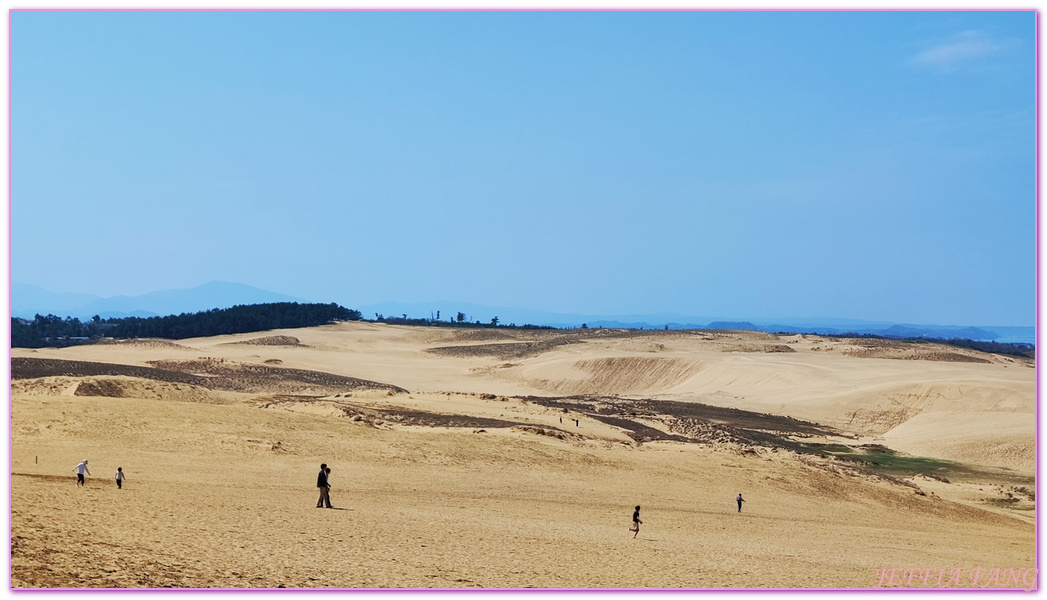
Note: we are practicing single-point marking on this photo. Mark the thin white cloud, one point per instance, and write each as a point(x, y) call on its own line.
point(959, 49)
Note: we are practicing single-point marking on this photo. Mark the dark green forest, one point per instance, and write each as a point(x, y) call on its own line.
point(51, 330)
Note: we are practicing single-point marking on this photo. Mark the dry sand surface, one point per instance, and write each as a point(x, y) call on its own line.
point(457, 461)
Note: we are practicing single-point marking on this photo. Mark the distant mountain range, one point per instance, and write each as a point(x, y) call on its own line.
point(29, 300)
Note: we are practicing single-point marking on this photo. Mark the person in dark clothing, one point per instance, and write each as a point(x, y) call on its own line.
point(636, 522)
point(321, 483)
point(740, 500)
point(328, 499)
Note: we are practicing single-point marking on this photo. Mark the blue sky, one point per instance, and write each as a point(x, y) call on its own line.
point(870, 165)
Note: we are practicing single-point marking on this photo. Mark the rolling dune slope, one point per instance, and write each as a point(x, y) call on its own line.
point(513, 458)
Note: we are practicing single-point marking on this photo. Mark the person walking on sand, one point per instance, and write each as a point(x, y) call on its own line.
point(119, 478)
point(321, 483)
point(80, 470)
point(327, 500)
point(740, 500)
point(636, 522)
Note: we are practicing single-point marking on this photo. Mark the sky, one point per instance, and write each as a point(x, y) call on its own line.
point(866, 165)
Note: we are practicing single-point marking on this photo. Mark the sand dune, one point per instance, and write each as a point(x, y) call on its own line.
point(459, 462)
point(616, 375)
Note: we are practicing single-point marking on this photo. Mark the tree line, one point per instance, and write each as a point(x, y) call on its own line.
point(52, 330)
point(460, 320)
point(1008, 348)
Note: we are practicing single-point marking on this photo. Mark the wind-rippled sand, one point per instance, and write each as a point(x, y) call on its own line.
point(456, 461)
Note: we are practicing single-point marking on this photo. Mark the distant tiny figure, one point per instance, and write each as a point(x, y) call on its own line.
point(740, 500)
point(561, 419)
point(576, 423)
point(327, 500)
point(80, 470)
point(636, 522)
point(120, 478)
point(321, 483)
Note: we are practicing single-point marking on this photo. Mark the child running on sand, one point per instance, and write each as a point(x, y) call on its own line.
point(119, 478)
point(740, 500)
point(636, 522)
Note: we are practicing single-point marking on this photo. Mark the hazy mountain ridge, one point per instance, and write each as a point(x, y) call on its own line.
point(29, 300)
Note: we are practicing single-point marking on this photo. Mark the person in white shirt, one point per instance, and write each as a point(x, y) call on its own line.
point(119, 477)
point(80, 470)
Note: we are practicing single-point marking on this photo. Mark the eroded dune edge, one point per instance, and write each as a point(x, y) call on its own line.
point(508, 459)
